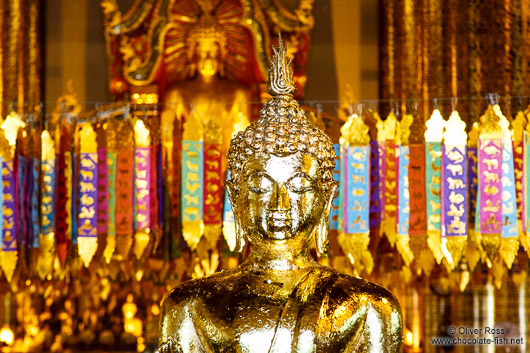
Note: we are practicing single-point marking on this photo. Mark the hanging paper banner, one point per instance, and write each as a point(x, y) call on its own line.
point(433, 175)
point(472, 175)
point(519, 124)
point(35, 203)
point(418, 218)
point(403, 211)
point(110, 160)
point(526, 183)
point(356, 198)
point(212, 193)
point(87, 225)
point(229, 225)
point(142, 188)
point(9, 229)
point(490, 185)
point(402, 187)
point(375, 196)
point(510, 232)
point(22, 185)
point(334, 213)
point(356, 206)
point(381, 152)
point(102, 204)
point(47, 235)
point(11, 216)
point(490, 182)
point(418, 215)
point(454, 190)
point(390, 179)
point(342, 187)
point(65, 222)
point(112, 157)
point(192, 192)
point(124, 188)
point(27, 194)
point(403, 158)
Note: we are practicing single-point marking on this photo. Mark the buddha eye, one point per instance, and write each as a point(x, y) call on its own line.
point(259, 184)
point(300, 184)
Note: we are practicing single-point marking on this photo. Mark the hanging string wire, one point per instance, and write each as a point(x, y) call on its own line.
point(315, 105)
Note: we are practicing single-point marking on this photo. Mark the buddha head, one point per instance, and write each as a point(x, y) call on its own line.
point(206, 43)
point(281, 166)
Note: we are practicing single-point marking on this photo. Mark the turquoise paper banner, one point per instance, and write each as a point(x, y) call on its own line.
point(433, 173)
point(228, 214)
point(403, 191)
point(192, 181)
point(342, 186)
point(526, 181)
point(357, 196)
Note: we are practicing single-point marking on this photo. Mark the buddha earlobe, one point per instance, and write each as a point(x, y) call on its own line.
point(233, 192)
point(321, 236)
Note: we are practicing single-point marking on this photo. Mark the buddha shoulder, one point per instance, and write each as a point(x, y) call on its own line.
point(366, 314)
point(202, 288)
point(363, 291)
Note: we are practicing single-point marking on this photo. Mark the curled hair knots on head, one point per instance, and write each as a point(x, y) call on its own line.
point(282, 129)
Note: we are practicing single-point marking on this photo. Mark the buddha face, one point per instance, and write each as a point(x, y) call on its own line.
point(207, 56)
point(281, 199)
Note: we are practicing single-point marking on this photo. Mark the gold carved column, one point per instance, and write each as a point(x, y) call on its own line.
point(20, 55)
point(439, 48)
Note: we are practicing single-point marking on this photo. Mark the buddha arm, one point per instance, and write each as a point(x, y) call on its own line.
point(383, 331)
point(187, 326)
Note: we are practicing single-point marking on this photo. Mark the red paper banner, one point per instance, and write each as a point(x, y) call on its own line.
point(212, 201)
point(418, 216)
point(124, 192)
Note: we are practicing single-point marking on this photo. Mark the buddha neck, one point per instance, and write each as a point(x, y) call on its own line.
point(274, 260)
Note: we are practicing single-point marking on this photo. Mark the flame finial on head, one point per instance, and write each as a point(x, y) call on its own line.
point(281, 80)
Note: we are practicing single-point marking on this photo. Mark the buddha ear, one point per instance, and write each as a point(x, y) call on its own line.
point(233, 192)
point(321, 238)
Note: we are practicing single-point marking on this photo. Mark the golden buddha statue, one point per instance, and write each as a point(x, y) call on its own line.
point(280, 299)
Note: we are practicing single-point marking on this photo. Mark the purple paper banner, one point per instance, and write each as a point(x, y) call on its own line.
point(9, 239)
point(375, 196)
point(35, 202)
point(103, 184)
point(490, 186)
point(472, 182)
point(381, 146)
point(88, 194)
point(454, 191)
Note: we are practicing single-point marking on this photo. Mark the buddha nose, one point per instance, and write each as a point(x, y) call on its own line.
point(282, 202)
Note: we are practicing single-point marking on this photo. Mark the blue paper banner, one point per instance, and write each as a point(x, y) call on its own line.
point(403, 191)
point(35, 203)
point(509, 205)
point(357, 195)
